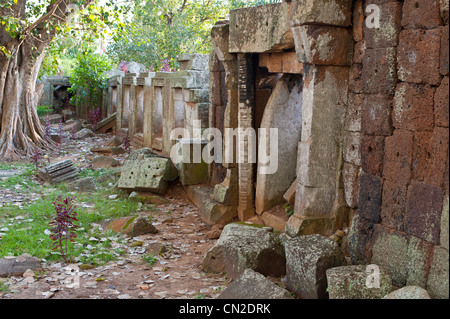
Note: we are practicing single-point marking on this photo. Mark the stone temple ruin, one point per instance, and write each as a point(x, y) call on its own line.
point(362, 118)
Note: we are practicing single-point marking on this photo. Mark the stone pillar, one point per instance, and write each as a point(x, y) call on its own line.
point(225, 192)
point(324, 45)
point(247, 169)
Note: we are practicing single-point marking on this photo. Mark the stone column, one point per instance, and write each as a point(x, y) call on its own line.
point(324, 44)
point(246, 83)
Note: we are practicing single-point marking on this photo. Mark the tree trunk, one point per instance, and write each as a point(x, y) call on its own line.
point(20, 129)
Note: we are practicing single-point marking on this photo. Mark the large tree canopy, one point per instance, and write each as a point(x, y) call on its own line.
point(27, 28)
point(161, 30)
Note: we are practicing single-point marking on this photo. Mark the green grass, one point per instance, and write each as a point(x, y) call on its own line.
point(27, 226)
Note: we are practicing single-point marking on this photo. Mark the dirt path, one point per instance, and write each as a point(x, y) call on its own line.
point(176, 274)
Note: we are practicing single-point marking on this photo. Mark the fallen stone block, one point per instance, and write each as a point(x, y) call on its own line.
point(114, 141)
point(252, 285)
point(130, 226)
point(63, 171)
point(289, 196)
point(307, 260)
point(358, 282)
point(16, 266)
point(104, 162)
point(52, 119)
point(84, 133)
point(140, 154)
point(409, 292)
point(242, 246)
point(72, 126)
point(149, 174)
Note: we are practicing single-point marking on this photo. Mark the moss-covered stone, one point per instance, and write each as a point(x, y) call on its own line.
point(350, 282)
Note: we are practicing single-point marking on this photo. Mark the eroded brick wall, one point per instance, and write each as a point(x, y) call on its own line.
point(398, 111)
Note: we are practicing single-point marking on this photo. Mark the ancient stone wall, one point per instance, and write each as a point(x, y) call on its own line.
point(398, 142)
point(150, 105)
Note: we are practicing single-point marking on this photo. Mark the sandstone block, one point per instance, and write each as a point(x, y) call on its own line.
point(242, 246)
point(355, 282)
point(252, 285)
point(307, 260)
point(419, 56)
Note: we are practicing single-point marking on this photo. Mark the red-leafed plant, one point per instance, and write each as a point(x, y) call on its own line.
point(126, 143)
point(63, 225)
point(36, 158)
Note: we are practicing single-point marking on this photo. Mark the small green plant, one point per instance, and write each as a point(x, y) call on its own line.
point(199, 296)
point(4, 287)
point(63, 225)
point(289, 211)
point(150, 259)
point(43, 110)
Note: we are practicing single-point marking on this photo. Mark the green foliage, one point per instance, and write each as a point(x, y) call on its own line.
point(43, 110)
point(161, 30)
point(150, 259)
point(89, 79)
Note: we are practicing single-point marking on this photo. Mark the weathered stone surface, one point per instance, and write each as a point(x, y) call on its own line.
point(358, 282)
point(445, 224)
point(284, 112)
point(444, 10)
point(63, 171)
point(441, 103)
point(260, 29)
point(243, 246)
point(141, 153)
point(104, 162)
point(423, 212)
point(307, 260)
point(379, 74)
point(130, 226)
point(438, 281)
point(421, 14)
point(393, 205)
point(419, 256)
point(326, 12)
point(197, 62)
point(323, 45)
point(359, 237)
point(211, 211)
point(413, 107)
point(372, 153)
point(351, 178)
point(193, 170)
point(390, 251)
point(408, 292)
point(351, 148)
point(429, 151)
point(319, 155)
point(149, 174)
point(376, 114)
point(444, 61)
point(370, 195)
point(252, 285)
point(289, 196)
point(419, 56)
point(72, 126)
point(84, 133)
point(390, 26)
point(52, 119)
point(398, 157)
point(114, 141)
point(16, 266)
